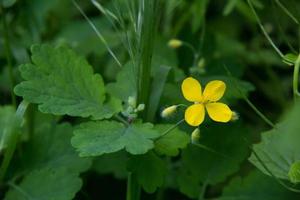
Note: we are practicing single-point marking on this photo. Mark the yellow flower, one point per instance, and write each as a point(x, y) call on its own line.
point(213, 92)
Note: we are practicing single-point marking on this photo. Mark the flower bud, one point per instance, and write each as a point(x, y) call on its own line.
point(175, 43)
point(235, 116)
point(140, 107)
point(132, 101)
point(195, 137)
point(167, 112)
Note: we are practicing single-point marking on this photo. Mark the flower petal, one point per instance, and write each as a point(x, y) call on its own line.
point(214, 90)
point(219, 112)
point(194, 115)
point(191, 90)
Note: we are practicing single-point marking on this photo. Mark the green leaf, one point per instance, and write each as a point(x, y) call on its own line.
point(126, 84)
point(294, 173)
point(149, 169)
point(46, 184)
point(7, 114)
point(50, 148)
point(170, 143)
point(290, 58)
point(97, 138)
point(279, 148)
point(7, 3)
point(256, 186)
point(199, 165)
point(113, 163)
point(63, 83)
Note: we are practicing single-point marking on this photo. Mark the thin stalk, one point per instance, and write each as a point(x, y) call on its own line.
point(133, 188)
point(287, 11)
point(100, 36)
point(14, 134)
point(147, 24)
point(170, 129)
point(296, 78)
point(264, 31)
point(256, 110)
point(8, 56)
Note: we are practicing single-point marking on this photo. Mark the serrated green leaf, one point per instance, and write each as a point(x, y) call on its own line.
point(113, 163)
point(97, 138)
point(279, 148)
point(63, 83)
point(149, 169)
point(199, 165)
point(170, 143)
point(6, 120)
point(256, 186)
point(46, 184)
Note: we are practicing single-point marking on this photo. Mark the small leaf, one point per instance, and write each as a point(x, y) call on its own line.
point(290, 58)
point(97, 138)
point(63, 83)
point(294, 173)
point(170, 143)
point(149, 169)
point(46, 184)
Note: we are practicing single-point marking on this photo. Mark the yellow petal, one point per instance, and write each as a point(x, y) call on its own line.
point(194, 115)
point(191, 90)
point(214, 91)
point(219, 112)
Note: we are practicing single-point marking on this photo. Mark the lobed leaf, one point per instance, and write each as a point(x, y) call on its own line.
point(63, 83)
point(97, 138)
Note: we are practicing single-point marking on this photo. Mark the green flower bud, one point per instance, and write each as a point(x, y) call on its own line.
point(167, 112)
point(175, 43)
point(235, 116)
point(132, 101)
point(195, 137)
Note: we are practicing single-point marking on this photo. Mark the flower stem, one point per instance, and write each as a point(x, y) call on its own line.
point(133, 188)
point(8, 56)
point(264, 30)
point(296, 78)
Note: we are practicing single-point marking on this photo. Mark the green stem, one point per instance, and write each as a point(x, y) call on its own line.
point(133, 188)
point(14, 134)
point(149, 13)
point(296, 78)
point(170, 129)
point(263, 30)
point(8, 56)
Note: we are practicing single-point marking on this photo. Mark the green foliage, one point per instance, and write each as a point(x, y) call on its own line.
point(97, 138)
point(200, 166)
point(279, 147)
point(113, 163)
point(63, 83)
point(6, 121)
point(170, 143)
point(294, 173)
point(149, 169)
point(256, 186)
point(46, 184)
